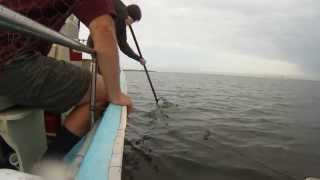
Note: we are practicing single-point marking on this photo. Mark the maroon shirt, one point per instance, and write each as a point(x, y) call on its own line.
point(51, 13)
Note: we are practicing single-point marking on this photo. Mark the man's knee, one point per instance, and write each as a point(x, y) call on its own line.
point(101, 93)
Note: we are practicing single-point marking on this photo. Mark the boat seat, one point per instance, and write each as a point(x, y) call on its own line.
point(5, 103)
point(23, 130)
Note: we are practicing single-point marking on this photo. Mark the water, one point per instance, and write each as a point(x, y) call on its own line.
point(222, 127)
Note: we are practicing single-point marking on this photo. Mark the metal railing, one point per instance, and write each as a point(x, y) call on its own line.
point(13, 21)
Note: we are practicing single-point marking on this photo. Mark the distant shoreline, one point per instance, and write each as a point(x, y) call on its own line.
point(137, 70)
point(279, 77)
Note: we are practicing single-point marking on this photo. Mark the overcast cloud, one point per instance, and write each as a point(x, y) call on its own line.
point(230, 36)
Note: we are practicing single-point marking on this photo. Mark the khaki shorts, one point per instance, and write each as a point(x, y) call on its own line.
point(31, 79)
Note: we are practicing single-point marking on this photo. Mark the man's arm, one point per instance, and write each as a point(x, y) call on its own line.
point(126, 49)
point(120, 8)
point(104, 39)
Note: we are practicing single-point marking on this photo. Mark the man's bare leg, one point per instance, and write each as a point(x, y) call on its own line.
point(78, 121)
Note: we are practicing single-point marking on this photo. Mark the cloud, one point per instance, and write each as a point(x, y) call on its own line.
point(188, 34)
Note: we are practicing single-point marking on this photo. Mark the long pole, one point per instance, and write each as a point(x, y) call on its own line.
point(144, 66)
point(93, 97)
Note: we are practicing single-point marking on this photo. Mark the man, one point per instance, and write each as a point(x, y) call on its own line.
point(30, 78)
point(126, 15)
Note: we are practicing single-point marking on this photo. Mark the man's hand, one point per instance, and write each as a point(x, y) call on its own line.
point(142, 61)
point(123, 100)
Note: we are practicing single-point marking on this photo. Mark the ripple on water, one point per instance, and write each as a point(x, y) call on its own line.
point(222, 127)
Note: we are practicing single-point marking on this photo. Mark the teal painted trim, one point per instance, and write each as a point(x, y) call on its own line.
point(80, 149)
point(73, 153)
point(95, 164)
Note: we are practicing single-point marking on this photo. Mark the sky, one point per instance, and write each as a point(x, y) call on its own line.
point(250, 37)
